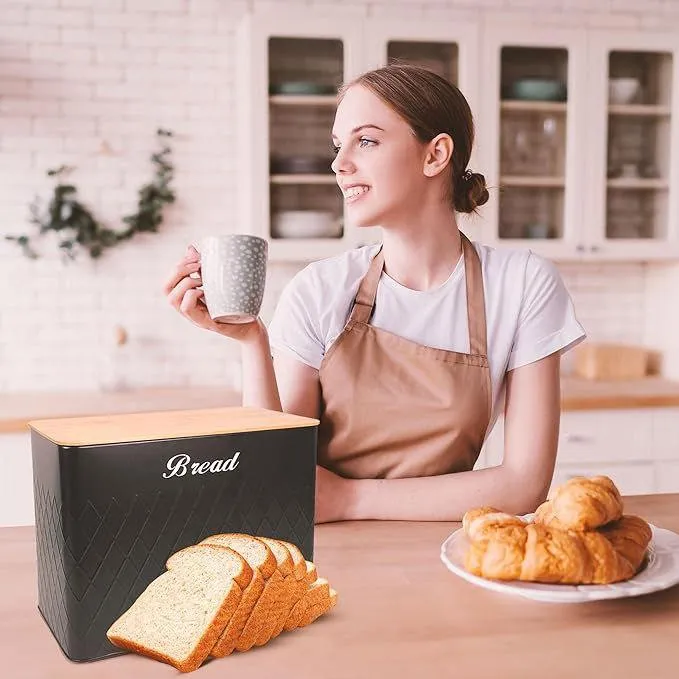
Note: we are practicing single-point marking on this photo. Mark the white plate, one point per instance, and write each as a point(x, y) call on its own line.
point(661, 572)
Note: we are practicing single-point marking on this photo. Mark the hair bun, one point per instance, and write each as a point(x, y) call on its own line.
point(470, 191)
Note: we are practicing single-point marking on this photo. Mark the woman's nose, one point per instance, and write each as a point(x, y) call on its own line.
point(341, 162)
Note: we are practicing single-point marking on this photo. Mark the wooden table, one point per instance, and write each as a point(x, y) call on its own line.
point(400, 613)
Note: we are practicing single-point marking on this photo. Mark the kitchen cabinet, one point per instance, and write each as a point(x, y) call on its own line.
point(577, 170)
point(637, 448)
point(583, 142)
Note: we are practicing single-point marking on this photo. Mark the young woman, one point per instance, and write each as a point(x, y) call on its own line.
point(408, 350)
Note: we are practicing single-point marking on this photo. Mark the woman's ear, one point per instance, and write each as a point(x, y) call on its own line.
point(438, 154)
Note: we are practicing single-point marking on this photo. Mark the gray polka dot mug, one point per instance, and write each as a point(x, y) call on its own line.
point(233, 269)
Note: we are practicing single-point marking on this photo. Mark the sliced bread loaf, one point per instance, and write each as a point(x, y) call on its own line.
point(311, 573)
point(316, 593)
point(263, 563)
point(178, 618)
point(299, 585)
point(287, 591)
point(318, 609)
point(264, 614)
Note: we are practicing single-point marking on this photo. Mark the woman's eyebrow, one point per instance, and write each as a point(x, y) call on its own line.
point(362, 127)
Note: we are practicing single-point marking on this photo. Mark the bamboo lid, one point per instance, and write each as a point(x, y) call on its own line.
point(125, 428)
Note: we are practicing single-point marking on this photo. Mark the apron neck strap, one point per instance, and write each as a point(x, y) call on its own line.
point(476, 310)
point(367, 290)
point(476, 305)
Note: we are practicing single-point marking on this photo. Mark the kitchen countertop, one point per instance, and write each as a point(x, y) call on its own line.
point(17, 409)
point(400, 614)
point(579, 394)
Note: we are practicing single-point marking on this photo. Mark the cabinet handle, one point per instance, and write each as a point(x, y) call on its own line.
point(577, 438)
point(580, 248)
point(595, 248)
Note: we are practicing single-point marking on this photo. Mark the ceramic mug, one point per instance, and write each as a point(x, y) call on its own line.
point(233, 269)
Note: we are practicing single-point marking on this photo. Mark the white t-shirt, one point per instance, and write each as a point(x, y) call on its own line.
point(529, 313)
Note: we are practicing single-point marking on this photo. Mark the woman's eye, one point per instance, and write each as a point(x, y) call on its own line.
point(334, 149)
point(365, 142)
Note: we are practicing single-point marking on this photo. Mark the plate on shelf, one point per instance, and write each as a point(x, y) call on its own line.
point(306, 224)
point(538, 89)
point(660, 572)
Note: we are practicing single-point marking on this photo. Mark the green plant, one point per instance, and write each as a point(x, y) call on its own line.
point(76, 226)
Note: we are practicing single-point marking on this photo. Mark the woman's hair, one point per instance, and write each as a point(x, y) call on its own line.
point(431, 105)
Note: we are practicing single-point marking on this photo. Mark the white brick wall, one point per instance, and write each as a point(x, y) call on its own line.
point(77, 73)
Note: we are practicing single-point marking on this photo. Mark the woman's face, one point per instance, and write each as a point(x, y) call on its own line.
point(379, 162)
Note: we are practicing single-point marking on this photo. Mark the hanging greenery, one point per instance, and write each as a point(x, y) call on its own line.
point(78, 229)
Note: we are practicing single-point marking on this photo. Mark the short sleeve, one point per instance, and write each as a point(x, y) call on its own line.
point(294, 327)
point(547, 321)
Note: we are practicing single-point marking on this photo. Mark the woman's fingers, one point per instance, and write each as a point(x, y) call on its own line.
point(176, 295)
point(193, 309)
point(181, 271)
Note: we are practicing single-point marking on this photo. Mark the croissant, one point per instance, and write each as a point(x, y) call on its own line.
point(504, 547)
point(581, 504)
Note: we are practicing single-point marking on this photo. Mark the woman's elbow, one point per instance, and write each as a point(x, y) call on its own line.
point(525, 497)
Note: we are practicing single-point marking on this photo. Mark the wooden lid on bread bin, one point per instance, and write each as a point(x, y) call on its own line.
point(125, 428)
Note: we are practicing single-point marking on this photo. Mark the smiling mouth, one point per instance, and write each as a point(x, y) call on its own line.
point(353, 193)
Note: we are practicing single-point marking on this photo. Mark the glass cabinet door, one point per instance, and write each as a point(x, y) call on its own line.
point(304, 74)
point(533, 94)
point(533, 119)
point(633, 145)
point(638, 144)
point(288, 74)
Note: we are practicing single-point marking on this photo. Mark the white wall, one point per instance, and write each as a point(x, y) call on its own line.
point(75, 74)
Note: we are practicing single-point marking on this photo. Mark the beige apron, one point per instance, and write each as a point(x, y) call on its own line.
point(392, 408)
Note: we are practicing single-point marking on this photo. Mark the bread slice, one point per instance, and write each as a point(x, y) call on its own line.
point(316, 593)
point(178, 618)
point(318, 609)
point(298, 561)
point(286, 565)
point(265, 612)
point(263, 564)
point(311, 573)
point(299, 585)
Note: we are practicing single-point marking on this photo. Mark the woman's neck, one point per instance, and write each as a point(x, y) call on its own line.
point(422, 254)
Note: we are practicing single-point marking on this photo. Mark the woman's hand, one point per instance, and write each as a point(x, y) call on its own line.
point(181, 289)
point(334, 496)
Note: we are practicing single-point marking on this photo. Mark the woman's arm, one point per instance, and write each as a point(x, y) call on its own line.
point(280, 382)
point(517, 486)
point(299, 385)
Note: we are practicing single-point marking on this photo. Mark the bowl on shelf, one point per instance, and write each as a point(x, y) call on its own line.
point(301, 87)
point(538, 89)
point(300, 165)
point(623, 90)
point(306, 224)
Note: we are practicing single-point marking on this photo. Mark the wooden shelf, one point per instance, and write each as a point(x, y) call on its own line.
point(639, 110)
point(636, 183)
point(303, 99)
point(538, 182)
point(303, 179)
point(536, 106)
